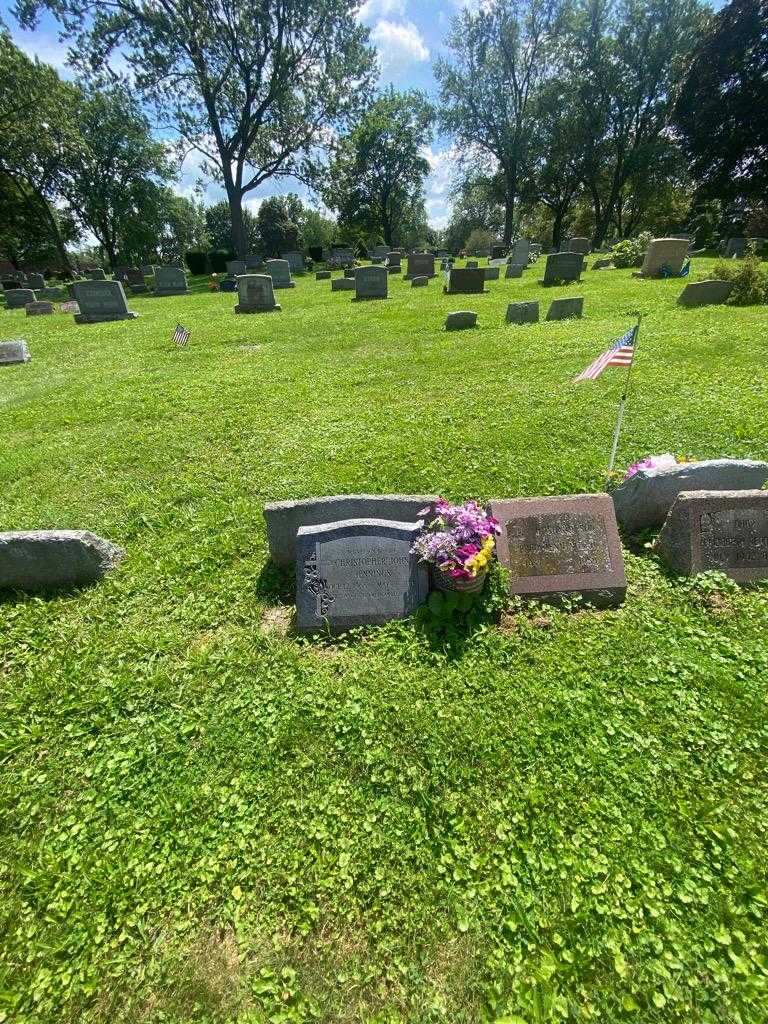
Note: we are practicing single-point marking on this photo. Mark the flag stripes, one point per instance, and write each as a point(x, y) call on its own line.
point(621, 353)
point(180, 335)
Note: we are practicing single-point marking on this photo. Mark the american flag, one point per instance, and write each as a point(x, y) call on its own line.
point(621, 353)
point(180, 335)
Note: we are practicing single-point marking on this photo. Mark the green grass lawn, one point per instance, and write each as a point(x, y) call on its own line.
point(207, 819)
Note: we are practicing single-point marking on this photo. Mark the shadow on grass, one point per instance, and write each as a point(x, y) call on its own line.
point(276, 584)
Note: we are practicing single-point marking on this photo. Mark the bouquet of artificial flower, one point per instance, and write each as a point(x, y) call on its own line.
point(665, 461)
point(459, 540)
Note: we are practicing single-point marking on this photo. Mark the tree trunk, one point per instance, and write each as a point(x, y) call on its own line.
point(386, 228)
point(557, 228)
point(509, 217)
point(239, 239)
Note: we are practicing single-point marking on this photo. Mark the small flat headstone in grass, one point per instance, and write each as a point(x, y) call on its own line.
point(42, 559)
point(39, 309)
point(343, 284)
point(705, 293)
point(523, 313)
point(323, 275)
point(559, 547)
point(419, 282)
point(460, 320)
point(565, 309)
point(602, 264)
point(357, 572)
point(15, 350)
point(723, 531)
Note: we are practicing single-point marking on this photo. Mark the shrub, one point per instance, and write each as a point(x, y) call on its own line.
point(750, 280)
point(628, 252)
point(218, 260)
point(197, 260)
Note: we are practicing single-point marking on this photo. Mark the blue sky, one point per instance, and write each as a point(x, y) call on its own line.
point(407, 35)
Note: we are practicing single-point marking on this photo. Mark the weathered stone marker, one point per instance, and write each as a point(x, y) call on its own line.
point(280, 272)
point(521, 251)
point(101, 302)
point(357, 572)
point(96, 274)
point(134, 278)
point(17, 298)
point(285, 518)
point(419, 264)
point(705, 293)
point(14, 350)
point(460, 320)
point(564, 309)
point(323, 275)
point(419, 282)
point(170, 281)
point(255, 294)
point(40, 559)
point(35, 281)
point(52, 294)
point(343, 284)
point(39, 308)
point(513, 270)
point(295, 261)
point(466, 281)
point(491, 273)
point(645, 499)
point(577, 244)
point(236, 267)
point(370, 283)
point(561, 546)
point(563, 268)
point(664, 252)
point(725, 531)
point(605, 264)
point(523, 313)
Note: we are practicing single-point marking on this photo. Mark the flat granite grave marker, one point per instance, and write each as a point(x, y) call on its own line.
point(357, 572)
point(370, 283)
point(602, 264)
point(323, 275)
point(17, 298)
point(255, 294)
point(39, 308)
point(419, 282)
point(13, 351)
point(491, 273)
point(564, 309)
point(644, 500)
point(726, 531)
point(343, 284)
point(466, 281)
point(170, 281)
point(285, 518)
point(460, 320)
point(513, 270)
point(563, 268)
point(280, 272)
point(419, 264)
point(560, 546)
point(705, 293)
point(523, 313)
point(41, 559)
point(101, 302)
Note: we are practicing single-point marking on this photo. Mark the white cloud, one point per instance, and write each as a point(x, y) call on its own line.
point(45, 47)
point(373, 9)
point(398, 43)
point(442, 163)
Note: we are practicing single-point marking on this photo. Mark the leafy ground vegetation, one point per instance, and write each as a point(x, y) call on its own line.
point(207, 819)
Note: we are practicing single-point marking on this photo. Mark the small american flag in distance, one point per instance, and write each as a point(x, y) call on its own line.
point(621, 353)
point(181, 335)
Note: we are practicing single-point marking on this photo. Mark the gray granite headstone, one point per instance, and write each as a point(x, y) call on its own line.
point(491, 273)
point(134, 278)
point(735, 247)
point(564, 309)
point(578, 244)
point(357, 572)
point(561, 546)
point(644, 500)
point(602, 264)
point(471, 265)
point(39, 308)
point(563, 268)
point(52, 294)
point(523, 313)
point(371, 283)
point(280, 272)
point(513, 270)
point(419, 264)
point(664, 252)
point(17, 298)
point(419, 282)
point(255, 294)
point(170, 281)
point(253, 261)
point(460, 320)
point(35, 281)
point(323, 275)
point(723, 531)
point(235, 267)
point(343, 284)
point(101, 302)
point(14, 351)
point(466, 281)
point(285, 518)
point(705, 293)
point(295, 261)
point(39, 559)
point(521, 250)
point(96, 274)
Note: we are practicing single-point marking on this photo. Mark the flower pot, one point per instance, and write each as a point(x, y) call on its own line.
point(444, 581)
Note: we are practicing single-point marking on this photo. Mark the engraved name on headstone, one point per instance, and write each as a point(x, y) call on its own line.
point(100, 302)
point(371, 283)
point(255, 294)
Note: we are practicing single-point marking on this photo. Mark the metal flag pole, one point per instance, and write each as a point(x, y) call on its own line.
point(623, 402)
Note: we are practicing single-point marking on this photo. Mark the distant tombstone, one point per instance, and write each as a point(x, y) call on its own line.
point(170, 281)
point(602, 264)
point(39, 308)
point(14, 351)
point(11, 282)
point(371, 283)
point(521, 250)
point(253, 261)
point(69, 307)
point(295, 261)
point(491, 273)
point(323, 275)
point(564, 309)
point(498, 252)
point(466, 281)
point(43, 559)
point(420, 264)
point(255, 294)
point(563, 268)
point(350, 272)
point(523, 313)
point(723, 531)
point(316, 253)
point(146, 270)
point(95, 274)
point(357, 572)
point(35, 281)
point(235, 267)
point(134, 278)
point(419, 282)
point(228, 284)
point(285, 518)
point(380, 252)
point(578, 244)
point(664, 252)
point(644, 500)
point(280, 272)
point(471, 265)
point(101, 302)
point(17, 298)
point(705, 293)
point(343, 284)
point(558, 547)
point(735, 248)
point(52, 294)
point(394, 262)
point(460, 320)
point(513, 270)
